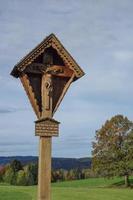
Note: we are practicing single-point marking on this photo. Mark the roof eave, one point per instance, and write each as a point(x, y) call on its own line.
point(16, 72)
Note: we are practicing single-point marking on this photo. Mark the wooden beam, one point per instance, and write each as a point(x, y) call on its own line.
point(26, 84)
point(36, 68)
point(59, 70)
point(64, 92)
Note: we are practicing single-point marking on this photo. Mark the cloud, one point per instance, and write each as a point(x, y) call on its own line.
point(9, 110)
point(4, 111)
point(124, 56)
point(98, 34)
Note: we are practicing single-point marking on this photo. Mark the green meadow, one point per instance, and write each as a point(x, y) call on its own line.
point(93, 189)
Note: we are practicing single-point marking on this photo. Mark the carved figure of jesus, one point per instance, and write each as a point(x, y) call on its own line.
point(47, 92)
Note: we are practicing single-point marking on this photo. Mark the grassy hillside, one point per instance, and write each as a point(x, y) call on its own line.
point(94, 183)
point(94, 189)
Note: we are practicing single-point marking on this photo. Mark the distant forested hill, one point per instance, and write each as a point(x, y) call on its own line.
point(57, 163)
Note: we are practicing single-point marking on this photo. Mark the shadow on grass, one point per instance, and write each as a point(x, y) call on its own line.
point(122, 183)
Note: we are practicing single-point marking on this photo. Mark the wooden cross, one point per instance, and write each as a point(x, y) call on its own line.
point(48, 70)
point(46, 74)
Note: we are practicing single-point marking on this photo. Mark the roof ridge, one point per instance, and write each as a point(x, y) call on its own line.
point(53, 41)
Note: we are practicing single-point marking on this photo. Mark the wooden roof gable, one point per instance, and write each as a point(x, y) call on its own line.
point(50, 41)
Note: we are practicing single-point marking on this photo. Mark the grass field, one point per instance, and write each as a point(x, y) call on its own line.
point(89, 189)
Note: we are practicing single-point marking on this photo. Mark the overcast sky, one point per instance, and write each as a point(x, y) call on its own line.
point(99, 35)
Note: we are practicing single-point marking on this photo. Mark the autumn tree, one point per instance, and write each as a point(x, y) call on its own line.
point(9, 176)
point(21, 178)
point(2, 172)
point(113, 148)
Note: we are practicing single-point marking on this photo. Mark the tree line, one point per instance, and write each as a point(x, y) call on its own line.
point(17, 174)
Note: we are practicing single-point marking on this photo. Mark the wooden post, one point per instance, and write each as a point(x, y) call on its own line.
point(44, 173)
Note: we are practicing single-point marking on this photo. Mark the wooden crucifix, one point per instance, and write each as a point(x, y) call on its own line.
point(46, 74)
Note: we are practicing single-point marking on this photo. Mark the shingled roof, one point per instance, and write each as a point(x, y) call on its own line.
point(50, 41)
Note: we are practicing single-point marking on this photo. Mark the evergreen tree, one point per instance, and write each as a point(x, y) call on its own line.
point(16, 165)
point(29, 175)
